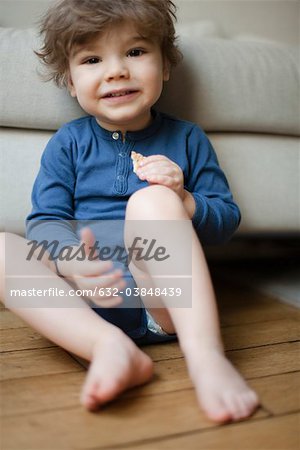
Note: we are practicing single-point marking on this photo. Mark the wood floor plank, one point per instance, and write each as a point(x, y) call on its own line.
point(262, 312)
point(24, 338)
point(277, 433)
point(260, 333)
point(10, 320)
point(238, 305)
point(40, 393)
point(124, 421)
point(28, 363)
point(279, 394)
point(268, 360)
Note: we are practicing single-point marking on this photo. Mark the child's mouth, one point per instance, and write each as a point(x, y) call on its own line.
point(119, 94)
point(120, 97)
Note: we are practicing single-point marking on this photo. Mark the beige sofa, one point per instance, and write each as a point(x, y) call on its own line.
point(243, 91)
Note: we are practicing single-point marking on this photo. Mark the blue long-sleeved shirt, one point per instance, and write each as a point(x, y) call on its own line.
point(86, 174)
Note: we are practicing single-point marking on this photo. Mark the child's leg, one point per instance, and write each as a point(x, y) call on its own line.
point(77, 329)
point(222, 392)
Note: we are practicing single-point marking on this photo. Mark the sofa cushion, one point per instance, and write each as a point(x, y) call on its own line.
point(20, 155)
point(223, 85)
point(27, 101)
point(263, 174)
point(228, 85)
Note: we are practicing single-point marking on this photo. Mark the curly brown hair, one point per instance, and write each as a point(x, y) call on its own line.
point(70, 23)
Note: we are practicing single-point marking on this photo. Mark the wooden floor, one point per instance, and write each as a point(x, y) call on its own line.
point(41, 383)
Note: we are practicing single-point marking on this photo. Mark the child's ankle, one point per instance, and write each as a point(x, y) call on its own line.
point(201, 346)
point(111, 337)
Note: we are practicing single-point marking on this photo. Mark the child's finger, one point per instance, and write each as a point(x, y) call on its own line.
point(106, 293)
point(149, 159)
point(160, 179)
point(109, 279)
point(144, 173)
point(108, 302)
point(87, 240)
point(163, 165)
point(92, 268)
point(104, 281)
point(154, 173)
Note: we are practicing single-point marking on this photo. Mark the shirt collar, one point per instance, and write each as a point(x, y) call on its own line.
point(130, 135)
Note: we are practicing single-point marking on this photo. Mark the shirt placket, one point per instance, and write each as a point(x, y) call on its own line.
point(123, 162)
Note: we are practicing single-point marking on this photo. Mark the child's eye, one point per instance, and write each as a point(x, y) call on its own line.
point(91, 61)
point(136, 52)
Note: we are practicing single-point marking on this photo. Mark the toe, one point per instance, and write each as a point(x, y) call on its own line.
point(244, 406)
point(241, 404)
point(233, 404)
point(88, 397)
point(91, 403)
point(252, 401)
point(254, 398)
point(108, 391)
point(220, 416)
point(217, 411)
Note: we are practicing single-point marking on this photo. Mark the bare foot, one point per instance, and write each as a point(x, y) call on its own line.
point(117, 365)
point(222, 392)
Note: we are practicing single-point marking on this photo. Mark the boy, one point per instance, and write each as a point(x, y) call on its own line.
point(114, 56)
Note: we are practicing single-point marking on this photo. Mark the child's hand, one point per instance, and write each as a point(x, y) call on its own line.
point(94, 276)
point(159, 169)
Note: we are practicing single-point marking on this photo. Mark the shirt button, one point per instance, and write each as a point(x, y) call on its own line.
point(115, 135)
point(122, 154)
point(120, 177)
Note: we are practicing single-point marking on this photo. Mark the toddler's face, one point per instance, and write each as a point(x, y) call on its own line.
point(118, 77)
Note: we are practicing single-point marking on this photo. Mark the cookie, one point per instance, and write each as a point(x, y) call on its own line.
point(136, 159)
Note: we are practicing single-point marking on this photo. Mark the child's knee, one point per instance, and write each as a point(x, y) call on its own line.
point(153, 200)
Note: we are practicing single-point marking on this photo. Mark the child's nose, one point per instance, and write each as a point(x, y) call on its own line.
point(116, 69)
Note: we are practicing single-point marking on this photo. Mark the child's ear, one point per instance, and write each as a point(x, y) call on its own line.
point(70, 86)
